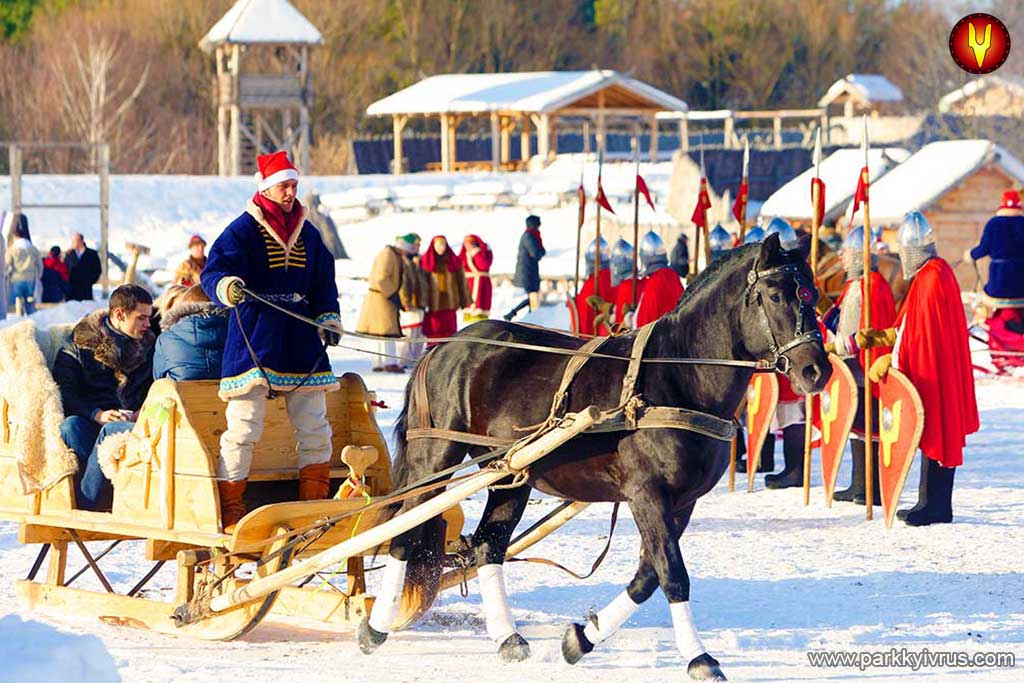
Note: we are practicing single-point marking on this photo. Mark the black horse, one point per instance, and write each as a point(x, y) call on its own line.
point(755, 303)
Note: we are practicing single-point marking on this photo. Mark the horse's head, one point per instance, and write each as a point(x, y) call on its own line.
point(778, 318)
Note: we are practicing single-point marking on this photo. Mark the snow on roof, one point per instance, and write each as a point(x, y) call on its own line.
point(915, 184)
point(541, 91)
point(976, 86)
point(262, 21)
point(839, 171)
point(864, 87)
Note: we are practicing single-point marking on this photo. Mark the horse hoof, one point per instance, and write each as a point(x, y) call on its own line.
point(575, 643)
point(369, 638)
point(705, 668)
point(514, 649)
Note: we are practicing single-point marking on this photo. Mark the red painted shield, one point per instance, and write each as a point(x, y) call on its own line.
point(901, 420)
point(574, 316)
point(837, 410)
point(762, 398)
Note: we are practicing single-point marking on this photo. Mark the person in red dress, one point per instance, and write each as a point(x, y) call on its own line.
point(476, 258)
point(623, 283)
point(449, 292)
point(584, 300)
point(929, 340)
point(662, 287)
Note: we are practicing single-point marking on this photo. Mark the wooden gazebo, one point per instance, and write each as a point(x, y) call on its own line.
point(541, 100)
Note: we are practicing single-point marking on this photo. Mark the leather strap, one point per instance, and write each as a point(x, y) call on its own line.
point(633, 370)
point(459, 437)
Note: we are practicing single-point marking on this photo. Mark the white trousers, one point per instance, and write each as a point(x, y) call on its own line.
point(412, 328)
point(387, 352)
point(307, 411)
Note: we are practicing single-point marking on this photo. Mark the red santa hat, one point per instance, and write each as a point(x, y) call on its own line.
point(274, 168)
point(1011, 200)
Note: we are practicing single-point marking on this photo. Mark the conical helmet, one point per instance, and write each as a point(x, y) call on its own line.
point(915, 231)
point(719, 242)
point(785, 231)
point(755, 234)
point(855, 240)
point(622, 261)
point(588, 255)
point(653, 254)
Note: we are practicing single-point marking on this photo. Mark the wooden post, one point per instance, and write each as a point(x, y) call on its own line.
point(397, 125)
point(506, 140)
point(104, 171)
point(586, 136)
point(446, 153)
point(495, 142)
point(14, 155)
point(653, 147)
point(777, 131)
point(307, 102)
point(453, 139)
point(5, 424)
point(684, 134)
point(236, 113)
point(602, 130)
point(544, 138)
point(222, 116)
point(167, 468)
point(524, 139)
point(727, 133)
point(55, 570)
point(553, 136)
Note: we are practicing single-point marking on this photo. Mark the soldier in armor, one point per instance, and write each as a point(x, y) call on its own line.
point(662, 287)
point(755, 234)
point(719, 242)
point(844, 320)
point(929, 340)
point(591, 300)
point(623, 282)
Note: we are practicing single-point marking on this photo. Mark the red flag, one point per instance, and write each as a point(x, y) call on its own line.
point(739, 206)
point(861, 195)
point(641, 187)
point(601, 199)
point(700, 212)
point(581, 194)
point(819, 208)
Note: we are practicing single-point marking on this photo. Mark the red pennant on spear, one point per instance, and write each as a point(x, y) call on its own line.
point(641, 187)
point(601, 198)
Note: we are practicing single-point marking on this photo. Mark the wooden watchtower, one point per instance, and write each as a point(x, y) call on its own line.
point(266, 107)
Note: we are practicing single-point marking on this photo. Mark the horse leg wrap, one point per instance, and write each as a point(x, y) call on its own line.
point(500, 624)
point(605, 623)
point(385, 607)
point(687, 639)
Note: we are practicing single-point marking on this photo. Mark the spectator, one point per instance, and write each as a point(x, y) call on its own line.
point(55, 278)
point(192, 342)
point(415, 297)
point(379, 313)
point(531, 251)
point(24, 268)
point(104, 373)
point(84, 269)
point(476, 258)
point(680, 257)
point(191, 268)
point(449, 292)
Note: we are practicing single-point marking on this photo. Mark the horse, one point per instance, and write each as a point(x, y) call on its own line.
point(756, 303)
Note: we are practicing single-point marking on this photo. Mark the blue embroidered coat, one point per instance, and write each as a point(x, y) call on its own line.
point(1003, 241)
point(299, 276)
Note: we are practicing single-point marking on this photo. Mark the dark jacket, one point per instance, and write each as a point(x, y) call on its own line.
point(679, 260)
point(192, 343)
point(1003, 242)
point(102, 369)
point(531, 251)
point(83, 273)
point(55, 280)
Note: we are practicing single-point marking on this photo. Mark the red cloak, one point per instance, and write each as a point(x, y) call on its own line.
point(662, 290)
point(933, 353)
point(624, 296)
point(586, 313)
point(883, 310)
point(477, 274)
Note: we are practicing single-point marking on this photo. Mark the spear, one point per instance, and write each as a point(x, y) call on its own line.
point(869, 465)
point(597, 236)
point(816, 201)
point(581, 195)
point(703, 182)
point(636, 225)
point(740, 206)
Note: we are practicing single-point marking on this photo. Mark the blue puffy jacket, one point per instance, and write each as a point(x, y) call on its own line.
point(192, 343)
point(1003, 242)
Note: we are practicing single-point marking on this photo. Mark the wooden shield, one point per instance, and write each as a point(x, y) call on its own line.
point(837, 410)
point(574, 316)
point(762, 398)
point(901, 421)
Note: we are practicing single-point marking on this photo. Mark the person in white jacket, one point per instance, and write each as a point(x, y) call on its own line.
point(24, 268)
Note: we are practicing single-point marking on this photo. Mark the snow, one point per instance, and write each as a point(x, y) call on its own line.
point(865, 87)
point(540, 91)
point(918, 182)
point(33, 652)
point(976, 86)
point(839, 171)
point(262, 21)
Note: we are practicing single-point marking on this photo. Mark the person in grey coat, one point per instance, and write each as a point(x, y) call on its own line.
point(531, 251)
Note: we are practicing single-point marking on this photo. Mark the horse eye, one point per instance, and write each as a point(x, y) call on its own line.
point(776, 298)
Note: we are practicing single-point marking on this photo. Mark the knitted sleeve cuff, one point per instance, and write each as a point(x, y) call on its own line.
point(222, 288)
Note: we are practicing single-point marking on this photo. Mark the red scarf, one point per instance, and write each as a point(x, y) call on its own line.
point(431, 260)
point(536, 233)
point(284, 224)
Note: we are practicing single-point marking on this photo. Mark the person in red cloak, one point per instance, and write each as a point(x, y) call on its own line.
point(845, 319)
point(449, 292)
point(586, 299)
point(661, 286)
point(930, 347)
point(624, 283)
point(476, 258)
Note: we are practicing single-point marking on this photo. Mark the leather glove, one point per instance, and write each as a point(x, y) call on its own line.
point(880, 368)
point(331, 337)
point(830, 347)
point(598, 304)
point(869, 338)
point(967, 256)
point(824, 304)
point(229, 290)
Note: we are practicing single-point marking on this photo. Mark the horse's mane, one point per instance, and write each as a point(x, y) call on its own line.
point(712, 274)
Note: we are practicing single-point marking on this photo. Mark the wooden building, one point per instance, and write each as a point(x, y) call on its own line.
point(991, 95)
point(856, 94)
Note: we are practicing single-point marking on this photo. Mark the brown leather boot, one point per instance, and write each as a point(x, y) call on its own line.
point(315, 481)
point(232, 507)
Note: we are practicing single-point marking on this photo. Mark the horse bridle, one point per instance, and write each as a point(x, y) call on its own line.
point(779, 360)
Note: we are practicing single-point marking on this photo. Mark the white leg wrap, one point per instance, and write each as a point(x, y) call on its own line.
point(610, 619)
point(687, 638)
point(385, 607)
point(500, 624)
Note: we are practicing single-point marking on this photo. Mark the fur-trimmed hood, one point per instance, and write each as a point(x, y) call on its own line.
point(178, 312)
point(110, 348)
